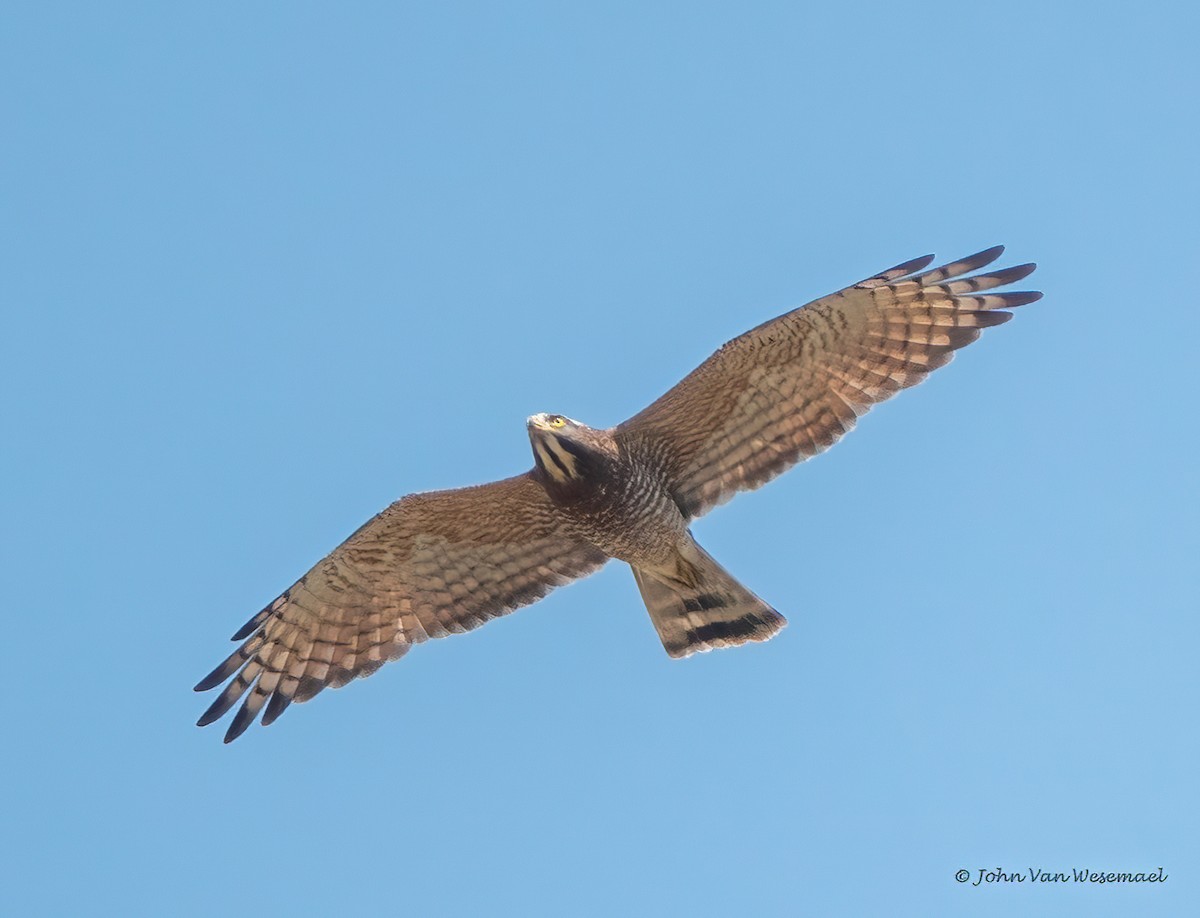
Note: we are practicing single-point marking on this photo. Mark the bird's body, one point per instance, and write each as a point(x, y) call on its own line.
point(445, 562)
point(611, 493)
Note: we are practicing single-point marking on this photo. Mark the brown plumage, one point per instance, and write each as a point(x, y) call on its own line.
point(447, 561)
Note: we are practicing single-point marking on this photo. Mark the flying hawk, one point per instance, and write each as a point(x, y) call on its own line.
point(447, 561)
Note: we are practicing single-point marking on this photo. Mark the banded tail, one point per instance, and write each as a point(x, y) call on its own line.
point(706, 608)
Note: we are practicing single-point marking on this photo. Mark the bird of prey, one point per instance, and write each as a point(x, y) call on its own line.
point(444, 562)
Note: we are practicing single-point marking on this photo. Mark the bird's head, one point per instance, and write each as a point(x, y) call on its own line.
point(566, 451)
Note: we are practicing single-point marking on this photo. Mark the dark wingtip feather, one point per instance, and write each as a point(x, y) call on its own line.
point(978, 260)
point(251, 626)
point(909, 267)
point(230, 694)
point(241, 721)
point(962, 336)
point(276, 706)
point(1020, 298)
point(990, 319)
point(893, 274)
point(987, 256)
point(224, 670)
point(214, 712)
point(1016, 272)
point(308, 688)
point(999, 278)
point(961, 266)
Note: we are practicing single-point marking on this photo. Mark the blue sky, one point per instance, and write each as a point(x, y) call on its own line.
point(269, 267)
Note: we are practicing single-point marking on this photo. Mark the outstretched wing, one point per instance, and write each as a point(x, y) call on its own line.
point(791, 387)
point(429, 565)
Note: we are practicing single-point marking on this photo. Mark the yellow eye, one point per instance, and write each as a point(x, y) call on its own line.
point(557, 420)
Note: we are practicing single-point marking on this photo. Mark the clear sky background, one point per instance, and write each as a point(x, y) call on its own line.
point(267, 267)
